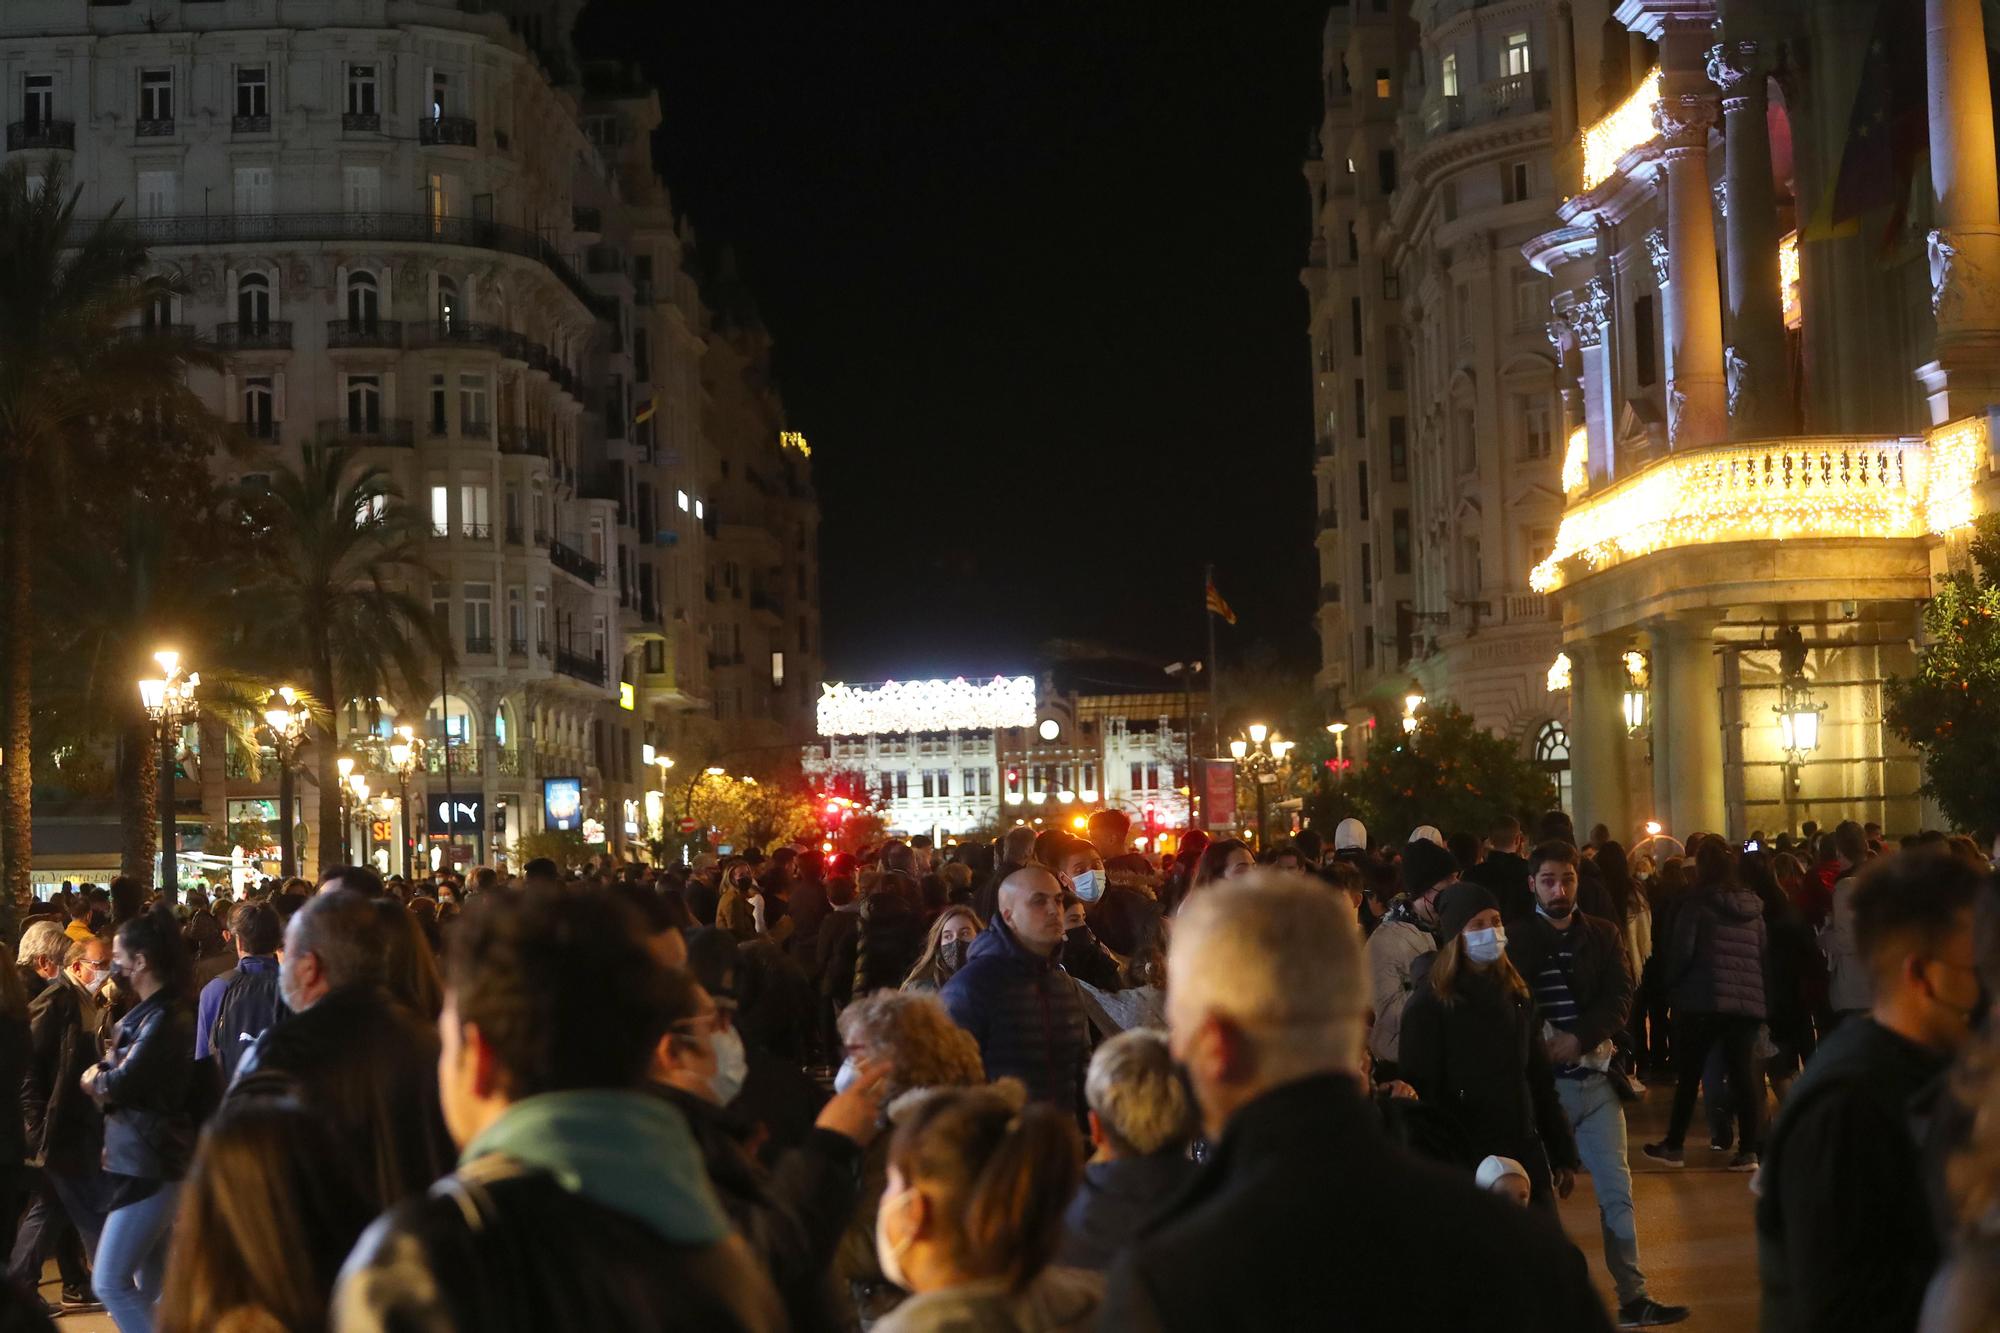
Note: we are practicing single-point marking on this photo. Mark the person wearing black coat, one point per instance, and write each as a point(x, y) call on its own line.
point(146, 1087)
point(63, 1128)
point(1472, 1042)
point(890, 938)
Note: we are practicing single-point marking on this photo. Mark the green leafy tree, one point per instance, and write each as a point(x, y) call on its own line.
point(1450, 774)
point(1949, 709)
point(69, 298)
point(565, 847)
point(337, 549)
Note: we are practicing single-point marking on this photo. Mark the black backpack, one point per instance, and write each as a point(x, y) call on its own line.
point(251, 1006)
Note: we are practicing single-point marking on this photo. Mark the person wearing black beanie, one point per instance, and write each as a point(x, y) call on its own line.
point(1399, 945)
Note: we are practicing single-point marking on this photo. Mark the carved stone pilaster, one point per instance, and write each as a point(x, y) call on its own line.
point(1943, 257)
point(1591, 313)
point(1738, 372)
point(1737, 68)
point(1722, 197)
point(1658, 254)
point(1684, 121)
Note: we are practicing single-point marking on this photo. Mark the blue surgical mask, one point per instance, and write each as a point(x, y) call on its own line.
point(1485, 946)
point(1087, 885)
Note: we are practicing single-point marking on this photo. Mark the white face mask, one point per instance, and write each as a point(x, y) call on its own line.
point(732, 1065)
point(1485, 946)
point(1086, 884)
point(847, 1076)
point(96, 983)
point(889, 1257)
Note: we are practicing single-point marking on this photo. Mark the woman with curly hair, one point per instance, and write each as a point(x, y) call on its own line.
point(915, 1038)
point(951, 935)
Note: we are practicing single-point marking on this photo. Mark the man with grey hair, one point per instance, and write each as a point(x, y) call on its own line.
point(1141, 1122)
point(40, 957)
point(1266, 1013)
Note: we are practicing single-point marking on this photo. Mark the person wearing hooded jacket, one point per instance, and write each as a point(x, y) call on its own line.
point(1408, 933)
point(1715, 978)
point(1472, 1044)
point(1016, 1000)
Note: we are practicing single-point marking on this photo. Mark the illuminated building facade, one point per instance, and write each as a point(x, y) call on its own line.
point(955, 757)
point(422, 229)
point(1774, 413)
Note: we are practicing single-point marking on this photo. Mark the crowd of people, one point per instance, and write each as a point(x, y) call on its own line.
point(1042, 1082)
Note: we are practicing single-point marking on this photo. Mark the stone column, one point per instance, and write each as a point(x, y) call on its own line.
point(1588, 318)
point(1598, 745)
point(1697, 395)
point(1687, 726)
point(1755, 365)
point(1562, 78)
point(1965, 247)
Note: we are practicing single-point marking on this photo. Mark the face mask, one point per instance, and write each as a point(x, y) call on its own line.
point(1485, 946)
point(849, 1074)
point(952, 954)
point(889, 1257)
point(96, 983)
point(732, 1066)
point(1086, 885)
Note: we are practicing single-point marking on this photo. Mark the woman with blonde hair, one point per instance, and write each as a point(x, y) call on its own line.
point(951, 935)
point(1472, 1046)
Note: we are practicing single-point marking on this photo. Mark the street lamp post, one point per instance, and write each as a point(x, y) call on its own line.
point(358, 784)
point(1262, 754)
point(345, 766)
point(405, 753)
point(168, 699)
point(287, 723)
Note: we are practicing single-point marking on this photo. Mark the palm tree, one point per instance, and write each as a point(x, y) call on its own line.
point(67, 367)
point(339, 548)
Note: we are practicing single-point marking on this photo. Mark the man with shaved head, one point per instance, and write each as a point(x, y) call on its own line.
point(1013, 996)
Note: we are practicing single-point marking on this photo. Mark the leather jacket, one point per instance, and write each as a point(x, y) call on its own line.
point(64, 1127)
point(145, 1090)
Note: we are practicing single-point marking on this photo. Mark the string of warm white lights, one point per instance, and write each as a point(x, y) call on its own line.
point(1789, 489)
point(1622, 129)
point(1576, 461)
point(926, 705)
point(1559, 673)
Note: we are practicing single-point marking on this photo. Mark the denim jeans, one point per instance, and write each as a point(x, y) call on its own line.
point(132, 1258)
point(1598, 1121)
point(64, 1209)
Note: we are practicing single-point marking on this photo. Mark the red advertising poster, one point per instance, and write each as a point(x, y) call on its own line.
point(1218, 794)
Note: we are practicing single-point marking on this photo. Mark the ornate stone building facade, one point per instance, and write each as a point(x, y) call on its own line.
point(422, 229)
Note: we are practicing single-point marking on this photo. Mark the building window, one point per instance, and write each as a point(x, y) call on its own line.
point(1399, 450)
point(364, 300)
point(1645, 343)
point(441, 511)
point(1361, 484)
point(1385, 170)
point(447, 301)
point(440, 103)
point(1399, 539)
point(1514, 57)
point(361, 96)
point(475, 520)
point(1531, 302)
point(1382, 85)
point(1448, 74)
point(364, 404)
point(361, 187)
point(259, 406)
point(158, 191)
point(479, 617)
point(1519, 183)
point(1353, 244)
point(253, 301)
point(1354, 323)
point(253, 96)
point(156, 96)
point(472, 403)
point(1532, 411)
point(38, 98)
point(1367, 574)
point(1367, 643)
point(252, 190)
point(1361, 408)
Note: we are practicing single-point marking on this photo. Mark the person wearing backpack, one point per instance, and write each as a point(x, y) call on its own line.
point(243, 1003)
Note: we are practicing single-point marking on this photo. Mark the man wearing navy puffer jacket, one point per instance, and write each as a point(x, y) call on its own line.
point(1013, 996)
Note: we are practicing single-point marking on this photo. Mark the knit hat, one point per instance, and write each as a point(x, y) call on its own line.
point(1424, 864)
point(1428, 832)
point(1496, 1169)
point(1350, 835)
point(1459, 904)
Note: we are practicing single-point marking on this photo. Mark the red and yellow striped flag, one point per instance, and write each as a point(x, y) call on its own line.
point(1219, 607)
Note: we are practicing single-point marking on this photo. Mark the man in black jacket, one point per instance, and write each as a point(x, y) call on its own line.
point(350, 1051)
point(1504, 871)
point(1575, 965)
point(1844, 1230)
point(1141, 1122)
point(579, 1202)
point(1266, 1012)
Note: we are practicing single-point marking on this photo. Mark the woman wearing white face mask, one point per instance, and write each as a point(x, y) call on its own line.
point(972, 1213)
point(794, 1215)
point(944, 952)
point(1472, 1046)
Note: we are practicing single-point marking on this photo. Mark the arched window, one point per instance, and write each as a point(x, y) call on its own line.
point(1552, 755)
point(447, 302)
point(364, 301)
point(253, 301)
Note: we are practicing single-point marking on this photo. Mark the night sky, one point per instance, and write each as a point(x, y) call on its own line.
point(1032, 272)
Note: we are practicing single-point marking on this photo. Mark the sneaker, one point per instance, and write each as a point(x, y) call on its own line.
point(80, 1300)
point(1660, 1152)
point(1648, 1313)
point(1722, 1140)
point(1743, 1161)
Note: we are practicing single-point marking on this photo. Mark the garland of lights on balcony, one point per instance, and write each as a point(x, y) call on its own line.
point(896, 706)
point(1791, 490)
point(1622, 129)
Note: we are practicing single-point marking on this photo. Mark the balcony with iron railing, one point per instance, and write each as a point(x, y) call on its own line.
point(479, 645)
point(41, 135)
point(364, 333)
point(393, 228)
point(395, 432)
point(1830, 488)
point(260, 124)
point(361, 122)
point(573, 562)
point(576, 665)
point(263, 431)
point(165, 332)
point(160, 127)
point(517, 647)
point(1514, 95)
point(448, 132)
point(514, 534)
point(264, 335)
point(457, 332)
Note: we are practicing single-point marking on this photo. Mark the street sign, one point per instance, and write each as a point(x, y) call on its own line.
point(688, 825)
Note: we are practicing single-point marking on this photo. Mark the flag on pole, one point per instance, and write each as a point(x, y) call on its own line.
point(1219, 607)
point(646, 413)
